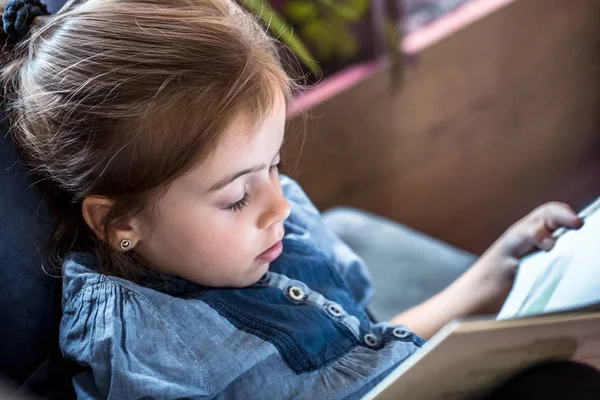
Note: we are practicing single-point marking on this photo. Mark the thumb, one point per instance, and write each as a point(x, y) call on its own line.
point(558, 215)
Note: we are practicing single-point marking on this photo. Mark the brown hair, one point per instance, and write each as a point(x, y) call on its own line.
point(118, 98)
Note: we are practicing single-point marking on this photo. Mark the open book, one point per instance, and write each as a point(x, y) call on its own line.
point(566, 278)
point(549, 315)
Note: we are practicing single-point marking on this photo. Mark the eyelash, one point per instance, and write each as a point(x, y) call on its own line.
point(274, 167)
point(238, 205)
point(243, 202)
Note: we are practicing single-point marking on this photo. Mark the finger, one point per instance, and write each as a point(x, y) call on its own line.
point(541, 237)
point(556, 215)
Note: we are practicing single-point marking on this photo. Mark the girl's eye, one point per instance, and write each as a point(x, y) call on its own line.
point(274, 167)
point(238, 205)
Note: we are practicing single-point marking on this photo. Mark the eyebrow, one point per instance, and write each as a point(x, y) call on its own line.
point(230, 178)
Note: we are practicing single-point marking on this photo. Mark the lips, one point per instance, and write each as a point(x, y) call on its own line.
point(271, 253)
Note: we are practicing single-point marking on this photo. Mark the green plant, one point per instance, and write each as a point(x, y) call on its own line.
point(276, 24)
point(325, 25)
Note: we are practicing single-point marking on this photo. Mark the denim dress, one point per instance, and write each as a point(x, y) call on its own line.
point(300, 332)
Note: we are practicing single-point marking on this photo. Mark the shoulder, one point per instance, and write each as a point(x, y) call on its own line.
point(304, 216)
point(97, 307)
point(113, 328)
point(84, 286)
point(307, 233)
point(82, 283)
point(302, 210)
point(297, 198)
point(108, 301)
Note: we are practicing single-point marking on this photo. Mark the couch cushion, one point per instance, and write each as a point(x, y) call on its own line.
point(29, 298)
point(406, 266)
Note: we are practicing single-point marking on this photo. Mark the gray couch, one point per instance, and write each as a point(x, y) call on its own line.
point(406, 266)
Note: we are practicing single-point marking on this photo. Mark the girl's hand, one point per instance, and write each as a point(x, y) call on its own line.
point(494, 272)
point(484, 287)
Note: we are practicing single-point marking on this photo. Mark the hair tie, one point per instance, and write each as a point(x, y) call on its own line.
point(17, 18)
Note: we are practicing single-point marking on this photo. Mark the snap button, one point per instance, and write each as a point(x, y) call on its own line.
point(334, 310)
point(370, 340)
point(295, 293)
point(400, 333)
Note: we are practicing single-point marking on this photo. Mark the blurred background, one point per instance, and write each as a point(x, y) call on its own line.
point(453, 117)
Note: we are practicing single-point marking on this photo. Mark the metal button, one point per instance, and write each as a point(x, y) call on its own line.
point(400, 333)
point(295, 293)
point(335, 310)
point(370, 340)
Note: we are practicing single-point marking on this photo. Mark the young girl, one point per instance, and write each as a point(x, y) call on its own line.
point(191, 269)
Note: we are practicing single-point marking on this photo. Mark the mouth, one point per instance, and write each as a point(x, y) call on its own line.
point(271, 253)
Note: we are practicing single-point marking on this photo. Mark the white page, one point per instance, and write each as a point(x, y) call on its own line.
point(580, 286)
point(565, 278)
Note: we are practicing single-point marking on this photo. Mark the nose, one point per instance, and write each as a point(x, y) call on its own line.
point(277, 208)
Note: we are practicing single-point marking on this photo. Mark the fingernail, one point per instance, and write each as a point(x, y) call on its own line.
point(547, 244)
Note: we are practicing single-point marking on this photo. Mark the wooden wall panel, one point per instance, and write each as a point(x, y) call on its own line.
point(489, 123)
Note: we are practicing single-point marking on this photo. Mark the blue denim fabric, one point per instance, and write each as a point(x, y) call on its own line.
point(300, 332)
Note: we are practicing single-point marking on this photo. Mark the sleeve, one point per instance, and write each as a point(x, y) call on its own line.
point(126, 349)
point(349, 265)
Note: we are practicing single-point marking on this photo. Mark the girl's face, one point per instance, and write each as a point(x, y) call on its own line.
point(221, 224)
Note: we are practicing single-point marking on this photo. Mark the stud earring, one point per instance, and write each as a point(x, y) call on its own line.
point(125, 244)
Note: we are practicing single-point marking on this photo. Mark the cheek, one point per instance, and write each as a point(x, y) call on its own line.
point(176, 229)
point(201, 235)
point(232, 235)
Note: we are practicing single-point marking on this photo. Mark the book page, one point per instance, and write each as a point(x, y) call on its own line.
point(565, 278)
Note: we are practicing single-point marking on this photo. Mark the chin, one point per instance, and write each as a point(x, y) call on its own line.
point(252, 276)
point(259, 272)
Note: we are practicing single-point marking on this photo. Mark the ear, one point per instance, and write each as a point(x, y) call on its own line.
point(94, 209)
